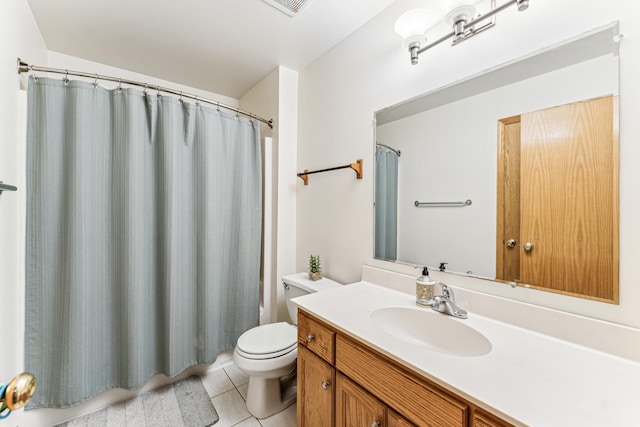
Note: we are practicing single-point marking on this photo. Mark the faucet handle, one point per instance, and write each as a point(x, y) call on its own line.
point(447, 292)
point(437, 300)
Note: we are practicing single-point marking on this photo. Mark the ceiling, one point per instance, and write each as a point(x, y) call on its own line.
point(223, 46)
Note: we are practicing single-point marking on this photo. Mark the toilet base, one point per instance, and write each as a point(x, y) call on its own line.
point(267, 396)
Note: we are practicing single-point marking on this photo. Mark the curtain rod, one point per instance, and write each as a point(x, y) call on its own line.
point(23, 67)
point(389, 148)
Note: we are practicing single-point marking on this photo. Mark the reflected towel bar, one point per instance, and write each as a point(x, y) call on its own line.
point(431, 204)
point(7, 187)
point(357, 167)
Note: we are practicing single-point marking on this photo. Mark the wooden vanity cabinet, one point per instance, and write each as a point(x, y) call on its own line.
point(407, 393)
point(343, 382)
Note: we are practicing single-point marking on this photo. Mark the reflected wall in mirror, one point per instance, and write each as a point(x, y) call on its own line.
point(452, 145)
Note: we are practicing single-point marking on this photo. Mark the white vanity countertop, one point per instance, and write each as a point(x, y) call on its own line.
point(527, 378)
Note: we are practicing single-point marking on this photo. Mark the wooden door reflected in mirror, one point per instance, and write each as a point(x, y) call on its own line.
point(557, 202)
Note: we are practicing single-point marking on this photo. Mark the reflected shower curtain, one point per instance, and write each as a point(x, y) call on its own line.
point(386, 206)
point(143, 237)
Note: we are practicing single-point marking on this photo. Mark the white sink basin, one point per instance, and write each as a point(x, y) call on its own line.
point(427, 328)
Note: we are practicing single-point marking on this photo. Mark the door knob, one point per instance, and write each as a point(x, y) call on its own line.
point(528, 247)
point(511, 243)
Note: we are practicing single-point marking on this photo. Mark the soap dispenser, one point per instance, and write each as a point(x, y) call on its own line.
point(424, 289)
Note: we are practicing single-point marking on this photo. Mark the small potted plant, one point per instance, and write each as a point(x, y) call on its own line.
point(315, 270)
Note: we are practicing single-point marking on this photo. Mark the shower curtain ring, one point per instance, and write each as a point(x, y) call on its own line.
point(119, 85)
point(144, 91)
point(95, 82)
point(197, 102)
point(158, 89)
point(66, 77)
point(180, 98)
point(218, 103)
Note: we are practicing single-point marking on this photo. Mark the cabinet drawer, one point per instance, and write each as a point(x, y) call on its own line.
point(316, 336)
point(414, 398)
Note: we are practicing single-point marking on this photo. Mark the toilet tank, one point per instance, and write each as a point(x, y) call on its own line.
point(299, 284)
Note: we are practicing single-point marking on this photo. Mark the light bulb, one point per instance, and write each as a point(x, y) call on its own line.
point(451, 4)
point(413, 23)
point(463, 13)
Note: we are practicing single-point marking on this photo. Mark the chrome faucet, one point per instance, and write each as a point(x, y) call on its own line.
point(446, 303)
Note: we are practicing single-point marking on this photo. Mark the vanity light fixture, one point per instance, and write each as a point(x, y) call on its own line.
point(413, 25)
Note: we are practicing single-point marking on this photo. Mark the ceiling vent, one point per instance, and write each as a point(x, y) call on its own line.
point(290, 7)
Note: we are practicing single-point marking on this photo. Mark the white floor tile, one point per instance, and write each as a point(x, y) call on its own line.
point(285, 418)
point(231, 408)
point(236, 374)
point(249, 422)
point(216, 382)
point(243, 390)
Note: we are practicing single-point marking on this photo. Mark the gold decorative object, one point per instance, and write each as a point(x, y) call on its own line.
point(19, 391)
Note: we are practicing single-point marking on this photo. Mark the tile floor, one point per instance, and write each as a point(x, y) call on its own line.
point(227, 387)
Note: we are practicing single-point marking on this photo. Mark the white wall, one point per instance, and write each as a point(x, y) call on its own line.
point(368, 71)
point(62, 61)
point(262, 100)
point(19, 37)
point(450, 153)
point(276, 96)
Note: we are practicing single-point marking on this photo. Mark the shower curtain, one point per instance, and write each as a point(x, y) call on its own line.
point(386, 206)
point(143, 237)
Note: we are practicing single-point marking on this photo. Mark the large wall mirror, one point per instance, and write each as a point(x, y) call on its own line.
point(510, 175)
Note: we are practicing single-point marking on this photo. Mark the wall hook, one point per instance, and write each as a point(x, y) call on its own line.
point(7, 187)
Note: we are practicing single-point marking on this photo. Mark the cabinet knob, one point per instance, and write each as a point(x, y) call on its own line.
point(310, 338)
point(326, 384)
point(375, 424)
point(528, 247)
point(511, 243)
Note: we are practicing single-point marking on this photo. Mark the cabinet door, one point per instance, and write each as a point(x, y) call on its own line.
point(395, 420)
point(316, 385)
point(482, 420)
point(355, 407)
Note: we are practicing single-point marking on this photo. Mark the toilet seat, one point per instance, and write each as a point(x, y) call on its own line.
point(268, 341)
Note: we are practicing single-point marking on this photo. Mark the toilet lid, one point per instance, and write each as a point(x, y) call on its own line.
point(269, 338)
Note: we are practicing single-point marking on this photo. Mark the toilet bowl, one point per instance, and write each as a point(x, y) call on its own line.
point(268, 353)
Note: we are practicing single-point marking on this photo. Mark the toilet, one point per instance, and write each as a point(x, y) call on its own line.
point(267, 353)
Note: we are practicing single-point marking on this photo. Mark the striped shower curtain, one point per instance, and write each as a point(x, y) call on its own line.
point(143, 237)
point(386, 204)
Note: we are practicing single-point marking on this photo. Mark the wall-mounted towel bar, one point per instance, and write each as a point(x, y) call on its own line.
point(7, 187)
point(441, 204)
point(357, 167)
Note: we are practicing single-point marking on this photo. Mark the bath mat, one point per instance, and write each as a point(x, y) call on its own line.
point(183, 404)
